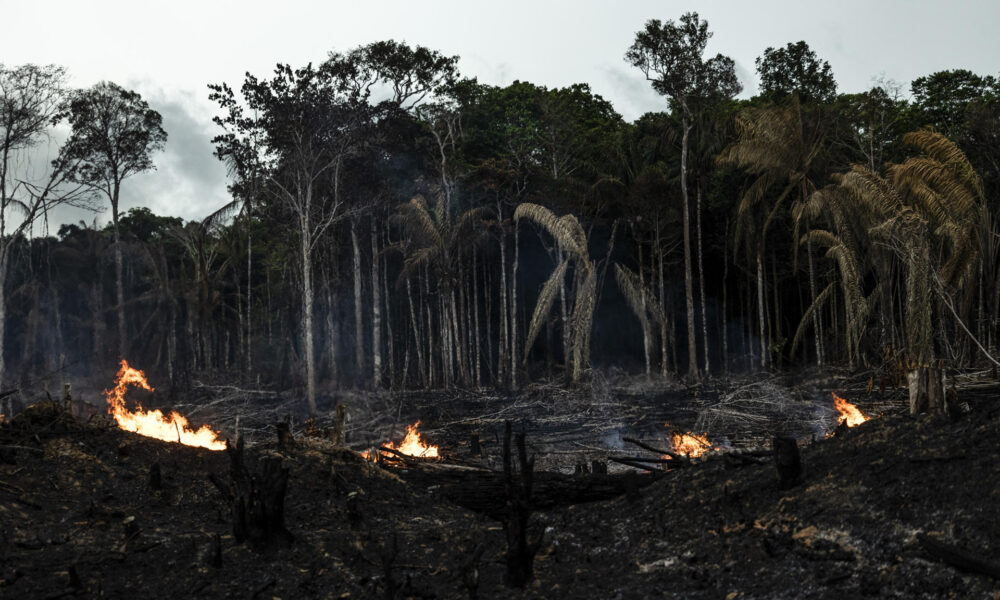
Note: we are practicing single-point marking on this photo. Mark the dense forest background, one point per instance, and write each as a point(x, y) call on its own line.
point(396, 225)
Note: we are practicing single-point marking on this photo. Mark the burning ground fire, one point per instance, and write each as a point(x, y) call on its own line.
point(412, 445)
point(153, 423)
point(847, 412)
point(689, 444)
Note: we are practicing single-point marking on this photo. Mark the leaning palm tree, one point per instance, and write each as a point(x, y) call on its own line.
point(572, 240)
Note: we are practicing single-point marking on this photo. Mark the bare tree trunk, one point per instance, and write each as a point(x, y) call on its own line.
point(688, 275)
point(307, 313)
point(760, 311)
point(249, 335)
point(475, 317)
point(565, 322)
point(119, 283)
point(725, 293)
point(663, 302)
point(416, 335)
point(331, 334)
point(387, 307)
point(643, 319)
point(817, 322)
point(359, 326)
point(701, 288)
point(376, 313)
point(3, 311)
point(504, 323)
point(513, 310)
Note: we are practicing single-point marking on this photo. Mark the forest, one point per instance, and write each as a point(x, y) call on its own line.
point(664, 308)
point(395, 225)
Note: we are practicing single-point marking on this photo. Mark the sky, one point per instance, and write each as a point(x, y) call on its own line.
point(170, 51)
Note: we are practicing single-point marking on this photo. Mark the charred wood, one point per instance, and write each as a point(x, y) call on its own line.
point(518, 487)
point(960, 558)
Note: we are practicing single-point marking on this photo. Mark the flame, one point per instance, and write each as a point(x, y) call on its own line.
point(847, 412)
point(689, 444)
point(412, 445)
point(153, 423)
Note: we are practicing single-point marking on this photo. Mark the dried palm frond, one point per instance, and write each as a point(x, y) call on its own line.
point(544, 305)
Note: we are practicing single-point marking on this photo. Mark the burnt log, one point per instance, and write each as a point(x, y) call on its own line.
point(483, 491)
point(960, 558)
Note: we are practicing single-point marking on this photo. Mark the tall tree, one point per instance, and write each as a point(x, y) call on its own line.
point(115, 134)
point(32, 101)
point(795, 69)
point(670, 55)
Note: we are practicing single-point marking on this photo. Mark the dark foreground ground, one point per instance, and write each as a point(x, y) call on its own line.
point(78, 519)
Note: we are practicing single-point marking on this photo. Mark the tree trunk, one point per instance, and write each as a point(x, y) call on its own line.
point(3, 311)
point(119, 283)
point(307, 313)
point(513, 311)
point(926, 387)
point(760, 311)
point(504, 323)
point(688, 275)
point(359, 325)
point(817, 322)
point(376, 313)
point(701, 288)
point(475, 319)
point(725, 291)
point(416, 335)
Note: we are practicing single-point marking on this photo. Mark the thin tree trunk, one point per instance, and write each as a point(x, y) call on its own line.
point(359, 326)
point(119, 278)
point(643, 319)
point(416, 335)
point(725, 294)
point(475, 317)
point(504, 323)
point(701, 289)
point(387, 307)
point(376, 313)
point(688, 275)
point(307, 312)
point(513, 310)
point(3, 310)
point(760, 311)
point(817, 322)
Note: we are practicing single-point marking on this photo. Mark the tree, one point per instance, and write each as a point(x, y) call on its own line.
point(795, 69)
point(670, 56)
point(32, 101)
point(307, 124)
point(114, 136)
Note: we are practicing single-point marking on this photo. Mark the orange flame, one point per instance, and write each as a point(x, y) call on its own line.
point(847, 412)
point(153, 423)
point(689, 444)
point(412, 445)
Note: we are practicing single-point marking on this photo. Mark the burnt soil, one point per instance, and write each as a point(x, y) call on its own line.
point(78, 518)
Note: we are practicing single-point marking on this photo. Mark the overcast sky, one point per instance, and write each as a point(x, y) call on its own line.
point(170, 51)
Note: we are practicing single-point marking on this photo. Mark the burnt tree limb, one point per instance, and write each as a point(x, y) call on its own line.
point(257, 500)
point(960, 558)
point(483, 491)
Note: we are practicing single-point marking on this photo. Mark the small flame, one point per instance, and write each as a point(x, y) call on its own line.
point(413, 444)
point(847, 412)
point(689, 444)
point(153, 423)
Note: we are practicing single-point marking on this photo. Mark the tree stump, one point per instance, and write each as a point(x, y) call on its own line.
point(787, 461)
point(926, 387)
point(520, 552)
point(257, 500)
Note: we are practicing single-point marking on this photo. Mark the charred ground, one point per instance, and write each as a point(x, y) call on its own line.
point(79, 518)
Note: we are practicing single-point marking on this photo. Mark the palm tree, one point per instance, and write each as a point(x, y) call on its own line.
point(572, 240)
point(927, 211)
point(780, 145)
point(433, 242)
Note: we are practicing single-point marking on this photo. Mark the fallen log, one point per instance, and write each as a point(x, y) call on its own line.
point(483, 491)
point(960, 558)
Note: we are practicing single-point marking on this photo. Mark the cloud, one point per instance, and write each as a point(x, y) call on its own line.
point(631, 95)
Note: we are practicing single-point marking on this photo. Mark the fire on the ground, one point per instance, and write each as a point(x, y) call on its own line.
point(412, 445)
